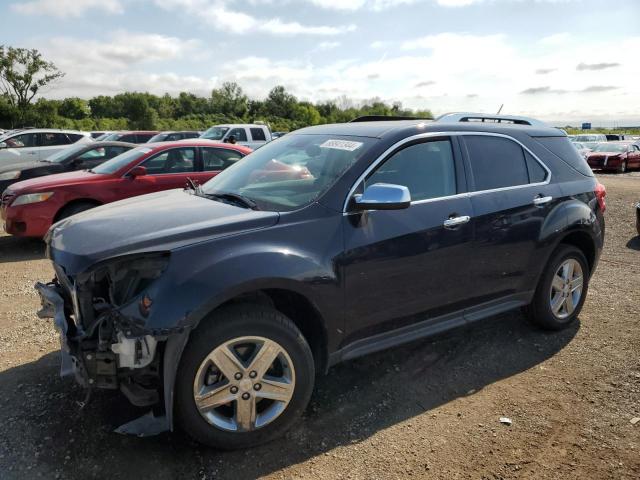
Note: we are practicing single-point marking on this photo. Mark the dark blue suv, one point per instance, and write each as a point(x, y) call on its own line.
point(217, 305)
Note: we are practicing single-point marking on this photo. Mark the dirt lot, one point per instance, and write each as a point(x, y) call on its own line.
point(427, 410)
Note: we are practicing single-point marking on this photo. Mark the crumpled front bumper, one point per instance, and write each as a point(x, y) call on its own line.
point(72, 359)
point(53, 307)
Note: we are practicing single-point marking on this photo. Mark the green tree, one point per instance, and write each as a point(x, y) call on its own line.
point(279, 103)
point(23, 73)
point(74, 108)
point(104, 107)
point(230, 100)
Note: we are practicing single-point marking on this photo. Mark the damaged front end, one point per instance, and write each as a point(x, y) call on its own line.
point(100, 315)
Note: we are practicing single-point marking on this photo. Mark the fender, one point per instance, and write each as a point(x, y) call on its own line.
point(568, 217)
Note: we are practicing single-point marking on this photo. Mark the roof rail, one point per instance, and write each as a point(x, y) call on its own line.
point(488, 118)
point(384, 118)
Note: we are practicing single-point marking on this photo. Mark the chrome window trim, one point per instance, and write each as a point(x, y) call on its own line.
point(420, 136)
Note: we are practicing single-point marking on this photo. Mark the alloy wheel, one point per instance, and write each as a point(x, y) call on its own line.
point(566, 288)
point(244, 384)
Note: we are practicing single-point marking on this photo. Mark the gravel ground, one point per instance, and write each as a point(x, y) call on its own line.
point(427, 410)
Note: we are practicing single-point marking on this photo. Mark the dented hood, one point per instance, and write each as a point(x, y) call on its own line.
point(157, 222)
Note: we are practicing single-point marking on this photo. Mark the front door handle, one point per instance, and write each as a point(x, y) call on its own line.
point(453, 222)
point(541, 200)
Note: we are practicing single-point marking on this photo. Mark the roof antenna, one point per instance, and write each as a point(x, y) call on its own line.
point(500, 109)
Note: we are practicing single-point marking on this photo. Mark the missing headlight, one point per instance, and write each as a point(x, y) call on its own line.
point(129, 277)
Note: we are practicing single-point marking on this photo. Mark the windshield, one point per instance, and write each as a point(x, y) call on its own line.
point(588, 138)
point(609, 147)
point(116, 163)
point(65, 154)
point(215, 133)
point(112, 137)
point(161, 137)
point(292, 172)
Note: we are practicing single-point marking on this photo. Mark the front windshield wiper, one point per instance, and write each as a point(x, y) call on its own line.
point(234, 197)
point(195, 186)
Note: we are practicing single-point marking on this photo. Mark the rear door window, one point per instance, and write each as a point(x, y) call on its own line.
point(52, 139)
point(496, 162)
point(175, 160)
point(214, 159)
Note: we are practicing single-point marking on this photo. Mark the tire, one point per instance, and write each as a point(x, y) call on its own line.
point(623, 167)
point(232, 324)
point(74, 209)
point(540, 311)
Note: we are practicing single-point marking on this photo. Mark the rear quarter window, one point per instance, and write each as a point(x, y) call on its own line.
point(561, 147)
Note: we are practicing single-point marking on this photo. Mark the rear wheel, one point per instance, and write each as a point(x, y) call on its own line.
point(561, 291)
point(74, 209)
point(244, 378)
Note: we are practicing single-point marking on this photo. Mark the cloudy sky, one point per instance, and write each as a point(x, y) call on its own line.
point(560, 60)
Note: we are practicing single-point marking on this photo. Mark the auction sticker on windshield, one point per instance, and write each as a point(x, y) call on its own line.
point(347, 145)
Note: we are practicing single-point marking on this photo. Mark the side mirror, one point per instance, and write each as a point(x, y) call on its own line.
point(138, 171)
point(3, 145)
point(383, 196)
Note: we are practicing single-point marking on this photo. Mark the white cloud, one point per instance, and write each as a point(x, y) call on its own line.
point(66, 8)
point(555, 40)
point(118, 64)
point(462, 71)
point(218, 14)
point(378, 5)
point(328, 45)
point(340, 4)
point(121, 50)
point(378, 44)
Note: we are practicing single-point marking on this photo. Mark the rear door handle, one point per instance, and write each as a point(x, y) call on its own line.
point(456, 221)
point(541, 200)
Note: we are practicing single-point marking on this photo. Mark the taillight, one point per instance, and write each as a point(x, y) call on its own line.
point(601, 193)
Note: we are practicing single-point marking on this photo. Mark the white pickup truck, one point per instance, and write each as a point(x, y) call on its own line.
point(252, 135)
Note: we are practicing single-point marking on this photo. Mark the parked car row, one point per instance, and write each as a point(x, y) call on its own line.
point(216, 305)
point(610, 152)
point(29, 207)
point(26, 145)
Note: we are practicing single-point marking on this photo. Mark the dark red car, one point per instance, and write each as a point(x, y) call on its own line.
point(615, 156)
point(132, 136)
point(30, 207)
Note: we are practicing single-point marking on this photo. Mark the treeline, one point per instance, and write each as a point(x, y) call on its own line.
point(227, 104)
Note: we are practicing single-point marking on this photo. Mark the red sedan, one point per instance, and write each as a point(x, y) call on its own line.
point(30, 207)
point(616, 156)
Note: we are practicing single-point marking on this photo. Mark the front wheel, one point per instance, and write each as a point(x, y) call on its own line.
point(623, 167)
point(74, 209)
point(244, 378)
point(561, 291)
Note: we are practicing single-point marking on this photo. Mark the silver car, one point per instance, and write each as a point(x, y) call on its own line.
point(35, 144)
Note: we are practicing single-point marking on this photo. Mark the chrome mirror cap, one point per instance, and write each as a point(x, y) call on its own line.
point(383, 196)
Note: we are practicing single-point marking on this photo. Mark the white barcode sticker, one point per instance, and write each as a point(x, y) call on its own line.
point(347, 145)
